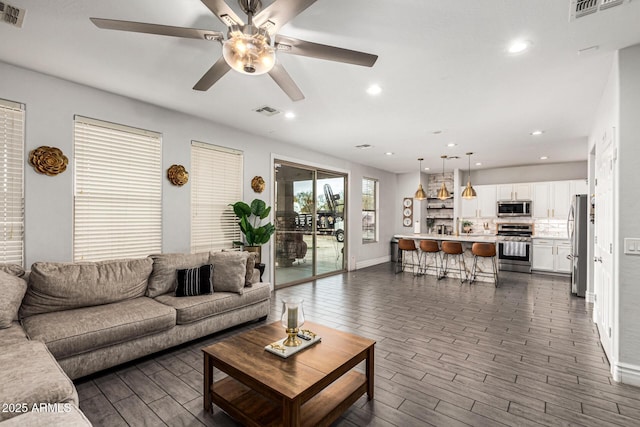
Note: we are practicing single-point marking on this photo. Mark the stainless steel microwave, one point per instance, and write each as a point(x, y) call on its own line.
point(514, 208)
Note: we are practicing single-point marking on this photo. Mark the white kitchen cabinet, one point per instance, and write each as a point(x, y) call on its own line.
point(543, 254)
point(521, 191)
point(579, 186)
point(550, 255)
point(483, 206)
point(551, 199)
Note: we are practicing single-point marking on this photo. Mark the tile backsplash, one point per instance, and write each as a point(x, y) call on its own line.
point(542, 227)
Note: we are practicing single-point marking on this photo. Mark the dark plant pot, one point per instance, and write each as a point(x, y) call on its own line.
point(256, 250)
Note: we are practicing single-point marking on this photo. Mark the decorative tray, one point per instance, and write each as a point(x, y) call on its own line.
point(283, 351)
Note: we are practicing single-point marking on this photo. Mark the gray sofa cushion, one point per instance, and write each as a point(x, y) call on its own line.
point(55, 287)
point(163, 277)
point(229, 271)
point(71, 332)
point(12, 269)
point(251, 266)
point(192, 309)
point(30, 375)
point(12, 290)
point(12, 334)
point(65, 415)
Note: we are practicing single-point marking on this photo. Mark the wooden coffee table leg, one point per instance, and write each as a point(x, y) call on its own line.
point(370, 373)
point(208, 381)
point(291, 413)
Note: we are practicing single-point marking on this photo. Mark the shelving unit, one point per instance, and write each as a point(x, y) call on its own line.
point(440, 211)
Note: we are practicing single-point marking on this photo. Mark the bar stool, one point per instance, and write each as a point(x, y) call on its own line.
point(406, 246)
point(484, 250)
point(431, 247)
point(454, 249)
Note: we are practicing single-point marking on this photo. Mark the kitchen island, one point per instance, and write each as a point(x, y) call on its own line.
point(467, 240)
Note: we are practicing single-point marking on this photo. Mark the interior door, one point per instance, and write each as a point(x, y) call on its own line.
point(604, 247)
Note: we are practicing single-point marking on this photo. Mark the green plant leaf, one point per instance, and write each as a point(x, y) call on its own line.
point(257, 207)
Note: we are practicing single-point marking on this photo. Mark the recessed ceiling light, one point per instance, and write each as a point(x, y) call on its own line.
point(388, 153)
point(427, 169)
point(290, 115)
point(544, 158)
point(518, 46)
point(374, 90)
point(478, 163)
point(451, 144)
point(537, 132)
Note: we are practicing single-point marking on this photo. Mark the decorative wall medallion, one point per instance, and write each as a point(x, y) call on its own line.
point(257, 183)
point(48, 160)
point(178, 175)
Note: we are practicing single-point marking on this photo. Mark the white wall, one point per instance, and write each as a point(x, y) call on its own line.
point(530, 173)
point(629, 206)
point(51, 104)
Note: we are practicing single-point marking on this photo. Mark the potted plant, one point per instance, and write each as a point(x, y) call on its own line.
point(466, 226)
point(249, 219)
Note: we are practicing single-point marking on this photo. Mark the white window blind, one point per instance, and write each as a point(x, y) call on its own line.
point(369, 210)
point(118, 191)
point(12, 199)
point(216, 182)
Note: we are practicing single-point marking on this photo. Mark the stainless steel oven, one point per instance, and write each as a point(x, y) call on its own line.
point(514, 247)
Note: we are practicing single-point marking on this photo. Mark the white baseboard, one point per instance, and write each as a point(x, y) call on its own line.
point(590, 297)
point(626, 373)
point(370, 262)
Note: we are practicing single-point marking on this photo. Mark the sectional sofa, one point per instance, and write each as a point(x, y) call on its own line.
point(79, 318)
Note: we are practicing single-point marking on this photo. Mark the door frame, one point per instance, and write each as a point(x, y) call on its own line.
point(348, 260)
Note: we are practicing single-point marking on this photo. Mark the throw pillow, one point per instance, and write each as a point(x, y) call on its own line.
point(163, 277)
point(195, 281)
point(12, 289)
point(251, 264)
point(229, 271)
point(13, 269)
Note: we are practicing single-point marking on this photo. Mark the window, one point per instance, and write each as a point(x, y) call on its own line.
point(118, 191)
point(216, 182)
point(12, 172)
point(369, 210)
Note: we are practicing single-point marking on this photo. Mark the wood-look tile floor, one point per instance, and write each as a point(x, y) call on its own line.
point(524, 354)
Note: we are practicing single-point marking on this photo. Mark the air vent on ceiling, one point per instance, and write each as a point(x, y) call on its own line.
point(11, 15)
point(580, 8)
point(265, 110)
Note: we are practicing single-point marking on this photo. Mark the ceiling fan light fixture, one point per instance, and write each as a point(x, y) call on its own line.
point(248, 50)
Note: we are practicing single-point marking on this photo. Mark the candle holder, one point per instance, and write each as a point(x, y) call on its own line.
point(292, 319)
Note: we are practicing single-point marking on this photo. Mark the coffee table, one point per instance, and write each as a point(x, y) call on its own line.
point(310, 388)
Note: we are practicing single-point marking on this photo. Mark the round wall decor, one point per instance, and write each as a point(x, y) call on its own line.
point(178, 175)
point(48, 160)
point(257, 184)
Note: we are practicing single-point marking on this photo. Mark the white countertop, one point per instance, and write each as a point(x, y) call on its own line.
point(551, 237)
point(489, 238)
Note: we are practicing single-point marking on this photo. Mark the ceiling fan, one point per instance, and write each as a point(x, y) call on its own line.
point(248, 48)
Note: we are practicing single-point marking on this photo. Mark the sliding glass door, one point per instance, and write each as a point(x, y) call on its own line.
point(310, 223)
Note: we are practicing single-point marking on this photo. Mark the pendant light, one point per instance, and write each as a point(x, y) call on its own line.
point(420, 194)
point(469, 192)
point(443, 193)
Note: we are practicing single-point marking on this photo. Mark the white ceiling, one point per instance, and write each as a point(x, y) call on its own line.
point(442, 66)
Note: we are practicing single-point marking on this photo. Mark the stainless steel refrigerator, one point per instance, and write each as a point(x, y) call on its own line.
point(577, 230)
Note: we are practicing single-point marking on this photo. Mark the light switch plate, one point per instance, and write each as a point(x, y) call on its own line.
point(631, 246)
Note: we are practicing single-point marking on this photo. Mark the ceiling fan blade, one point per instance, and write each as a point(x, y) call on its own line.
point(286, 83)
point(219, 69)
point(323, 51)
point(162, 30)
point(223, 12)
point(279, 13)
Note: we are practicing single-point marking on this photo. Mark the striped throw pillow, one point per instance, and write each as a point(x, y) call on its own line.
point(195, 281)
